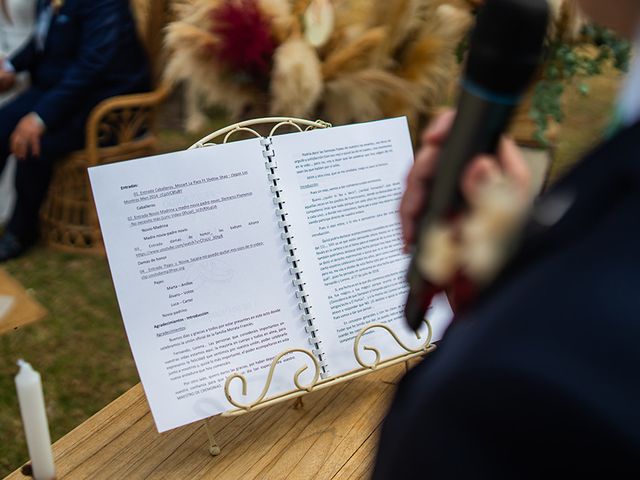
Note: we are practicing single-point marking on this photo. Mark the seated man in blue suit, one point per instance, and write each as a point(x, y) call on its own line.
point(82, 52)
point(541, 378)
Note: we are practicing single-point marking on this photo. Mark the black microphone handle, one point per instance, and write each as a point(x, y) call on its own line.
point(476, 129)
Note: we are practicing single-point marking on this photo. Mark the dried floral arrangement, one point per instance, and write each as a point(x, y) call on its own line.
point(338, 60)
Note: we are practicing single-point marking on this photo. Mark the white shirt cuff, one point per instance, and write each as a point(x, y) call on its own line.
point(39, 120)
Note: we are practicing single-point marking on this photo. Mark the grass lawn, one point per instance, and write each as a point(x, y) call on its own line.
point(81, 349)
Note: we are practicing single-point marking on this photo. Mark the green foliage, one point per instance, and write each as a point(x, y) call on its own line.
point(566, 64)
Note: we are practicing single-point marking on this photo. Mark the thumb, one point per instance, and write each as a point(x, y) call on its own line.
point(439, 128)
point(514, 165)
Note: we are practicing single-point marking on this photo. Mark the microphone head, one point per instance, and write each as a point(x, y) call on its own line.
point(506, 46)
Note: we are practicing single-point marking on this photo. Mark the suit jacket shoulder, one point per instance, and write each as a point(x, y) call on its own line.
point(544, 371)
point(91, 52)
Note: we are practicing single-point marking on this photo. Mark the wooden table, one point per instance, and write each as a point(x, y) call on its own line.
point(333, 436)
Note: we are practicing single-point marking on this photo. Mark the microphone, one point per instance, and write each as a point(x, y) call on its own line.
point(505, 49)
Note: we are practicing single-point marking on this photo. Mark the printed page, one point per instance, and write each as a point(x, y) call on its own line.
point(343, 187)
point(201, 276)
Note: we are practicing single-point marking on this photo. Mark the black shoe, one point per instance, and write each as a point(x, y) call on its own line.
point(10, 247)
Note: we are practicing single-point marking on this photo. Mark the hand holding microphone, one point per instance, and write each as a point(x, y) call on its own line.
point(507, 161)
point(504, 53)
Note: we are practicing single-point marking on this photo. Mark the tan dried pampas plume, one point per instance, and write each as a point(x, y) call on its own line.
point(354, 55)
point(429, 61)
point(355, 17)
point(189, 33)
point(402, 18)
point(412, 69)
point(359, 96)
point(452, 22)
point(180, 8)
point(567, 20)
point(209, 84)
point(296, 79)
point(183, 36)
point(281, 13)
point(408, 19)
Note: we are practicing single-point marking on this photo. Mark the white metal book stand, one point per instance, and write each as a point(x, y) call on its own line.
point(317, 383)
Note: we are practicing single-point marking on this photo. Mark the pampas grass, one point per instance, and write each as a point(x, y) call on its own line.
point(281, 13)
point(383, 59)
point(567, 21)
point(355, 55)
point(363, 95)
point(296, 81)
point(401, 68)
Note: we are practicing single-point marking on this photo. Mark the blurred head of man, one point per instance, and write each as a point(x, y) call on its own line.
point(621, 15)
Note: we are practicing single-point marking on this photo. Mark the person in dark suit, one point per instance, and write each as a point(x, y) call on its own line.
point(82, 52)
point(540, 379)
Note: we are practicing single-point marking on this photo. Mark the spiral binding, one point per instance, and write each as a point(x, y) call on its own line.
point(295, 270)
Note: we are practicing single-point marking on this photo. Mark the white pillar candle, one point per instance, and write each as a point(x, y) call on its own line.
point(34, 420)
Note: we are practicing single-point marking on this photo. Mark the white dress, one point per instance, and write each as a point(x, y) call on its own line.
point(14, 32)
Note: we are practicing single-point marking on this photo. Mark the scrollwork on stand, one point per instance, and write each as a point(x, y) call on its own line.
point(240, 129)
point(289, 123)
point(277, 122)
point(263, 394)
point(376, 362)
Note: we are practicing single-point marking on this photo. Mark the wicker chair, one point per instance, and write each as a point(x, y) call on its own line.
point(118, 128)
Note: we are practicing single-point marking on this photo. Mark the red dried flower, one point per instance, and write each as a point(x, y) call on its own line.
point(246, 44)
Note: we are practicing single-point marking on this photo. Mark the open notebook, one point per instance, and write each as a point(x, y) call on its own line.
point(222, 257)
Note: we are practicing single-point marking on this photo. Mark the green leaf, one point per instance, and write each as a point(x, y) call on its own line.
point(583, 88)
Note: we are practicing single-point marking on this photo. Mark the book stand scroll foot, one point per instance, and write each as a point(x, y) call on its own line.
point(316, 383)
point(251, 127)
